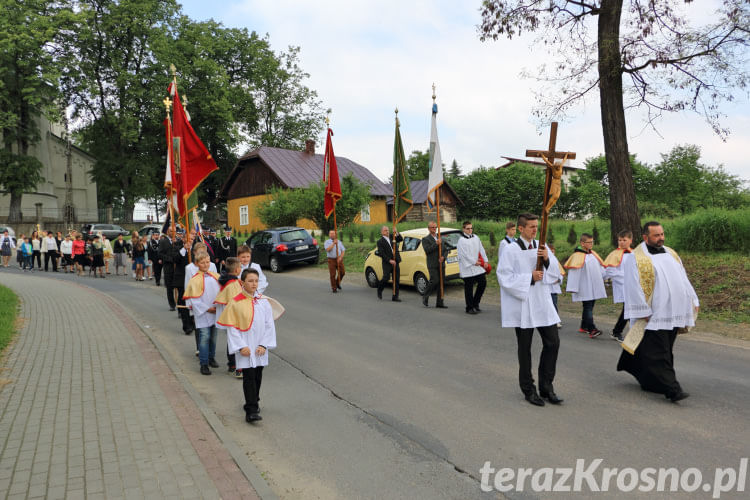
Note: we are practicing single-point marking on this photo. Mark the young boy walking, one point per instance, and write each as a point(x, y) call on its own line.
point(251, 333)
point(615, 270)
point(230, 287)
point(199, 296)
point(586, 282)
point(245, 255)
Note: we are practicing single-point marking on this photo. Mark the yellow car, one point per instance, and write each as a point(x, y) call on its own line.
point(413, 259)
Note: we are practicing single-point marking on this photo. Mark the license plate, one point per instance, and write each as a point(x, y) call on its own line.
point(302, 247)
point(451, 260)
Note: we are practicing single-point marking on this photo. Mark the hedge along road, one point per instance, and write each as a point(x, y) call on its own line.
point(375, 399)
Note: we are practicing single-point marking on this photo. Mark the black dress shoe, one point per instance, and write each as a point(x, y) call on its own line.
point(334, 290)
point(471, 311)
point(440, 305)
point(205, 370)
point(679, 396)
point(395, 299)
point(338, 286)
point(477, 309)
point(172, 309)
point(380, 294)
point(534, 399)
point(424, 301)
point(212, 363)
point(252, 417)
point(552, 398)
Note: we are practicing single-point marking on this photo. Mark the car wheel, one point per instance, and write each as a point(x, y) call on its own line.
point(420, 282)
point(372, 278)
point(275, 265)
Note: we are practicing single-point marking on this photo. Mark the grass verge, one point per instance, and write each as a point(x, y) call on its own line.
point(8, 312)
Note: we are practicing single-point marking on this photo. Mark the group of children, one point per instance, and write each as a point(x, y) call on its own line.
point(73, 253)
point(234, 302)
point(586, 274)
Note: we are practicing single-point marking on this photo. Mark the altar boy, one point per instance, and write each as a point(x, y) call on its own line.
point(250, 332)
point(614, 269)
point(586, 282)
point(199, 296)
point(231, 286)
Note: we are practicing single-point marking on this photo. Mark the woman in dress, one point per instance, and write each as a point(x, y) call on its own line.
point(79, 253)
point(139, 252)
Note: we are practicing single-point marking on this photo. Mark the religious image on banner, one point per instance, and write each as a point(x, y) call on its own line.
point(330, 177)
point(402, 200)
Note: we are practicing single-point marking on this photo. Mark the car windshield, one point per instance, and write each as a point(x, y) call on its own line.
point(452, 238)
point(296, 235)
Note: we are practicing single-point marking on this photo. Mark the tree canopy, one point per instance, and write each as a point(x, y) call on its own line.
point(642, 54)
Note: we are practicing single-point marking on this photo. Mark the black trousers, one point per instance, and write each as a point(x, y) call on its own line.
point(434, 283)
point(387, 271)
point(231, 363)
point(471, 296)
point(187, 321)
point(157, 270)
point(251, 379)
point(50, 255)
point(547, 360)
point(37, 254)
point(621, 322)
point(652, 365)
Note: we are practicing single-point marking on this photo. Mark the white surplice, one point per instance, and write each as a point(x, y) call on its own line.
point(200, 305)
point(587, 282)
point(522, 304)
point(469, 249)
point(617, 275)
point(673, 299)
point(261, 332)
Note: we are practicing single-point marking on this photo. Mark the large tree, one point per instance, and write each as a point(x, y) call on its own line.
point(669, 64)
point(29, 47)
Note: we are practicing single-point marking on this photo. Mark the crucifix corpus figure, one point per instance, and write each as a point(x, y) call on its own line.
point(553, 178)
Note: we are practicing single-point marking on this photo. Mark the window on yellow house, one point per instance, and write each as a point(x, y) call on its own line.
point(365, 214)
point(243, 216)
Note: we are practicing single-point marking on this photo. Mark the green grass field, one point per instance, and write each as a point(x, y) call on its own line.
point(8, 313)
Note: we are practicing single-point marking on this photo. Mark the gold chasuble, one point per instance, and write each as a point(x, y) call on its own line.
point(195, 286)
point(647, 280)
point(578, 258)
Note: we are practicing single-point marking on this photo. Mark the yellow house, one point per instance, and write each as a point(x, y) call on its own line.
point(266, 167)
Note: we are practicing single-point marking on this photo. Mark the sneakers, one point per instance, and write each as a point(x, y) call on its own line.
point(594, 333)
point(205, 370)
point(583, 330)
point(616, 336)
point(238, 374)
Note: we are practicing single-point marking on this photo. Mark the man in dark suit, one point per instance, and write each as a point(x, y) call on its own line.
point(391, 258)
point(435, 264)
point(174, 259)
point(153, 256)
point(227, 246)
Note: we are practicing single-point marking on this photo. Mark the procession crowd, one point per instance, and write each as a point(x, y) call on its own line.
point(213, 284)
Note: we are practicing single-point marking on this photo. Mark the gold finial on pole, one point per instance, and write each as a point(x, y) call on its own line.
point(328, 117)
point(397, 122)
point(433, 92)
point(173, 69)
point(167, 103)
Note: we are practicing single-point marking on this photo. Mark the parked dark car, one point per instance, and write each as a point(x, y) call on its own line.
point(111, 231)
point(278, 247)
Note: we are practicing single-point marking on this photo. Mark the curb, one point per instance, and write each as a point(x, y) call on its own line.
point(249, 470)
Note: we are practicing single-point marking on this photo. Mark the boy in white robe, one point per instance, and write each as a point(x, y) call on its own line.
point(245, 255)
point(660, 302)
point(190, 271)
point(510, 234)
point(251, 333)
point(614, 266)
point(586, 282)
point(526, 303)
point(231, 286)
point(473, 264)
point(199, 296)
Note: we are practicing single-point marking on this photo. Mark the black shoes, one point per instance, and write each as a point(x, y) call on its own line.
point(534, 399)
point(205, 370)
point(471, 310)
point(380, 294)
point(678, 396)
point(212, 363)
point(425, 298)
point(334, 290)
point(440, 305)
point(477, 309)
point(172, 308)
point(395, 298)
point(338, 286)
point(252, 417)
point(552, 398)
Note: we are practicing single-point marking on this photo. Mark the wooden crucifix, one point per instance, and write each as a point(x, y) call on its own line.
point(553, 180)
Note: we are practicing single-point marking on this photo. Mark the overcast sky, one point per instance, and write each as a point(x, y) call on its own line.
point(365, 58)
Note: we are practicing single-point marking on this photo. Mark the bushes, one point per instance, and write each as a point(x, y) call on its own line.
point(710, 230)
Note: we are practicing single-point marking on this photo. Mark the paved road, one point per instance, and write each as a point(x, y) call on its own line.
point(371, 399)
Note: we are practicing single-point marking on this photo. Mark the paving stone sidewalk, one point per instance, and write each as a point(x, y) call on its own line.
point(88, 408)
